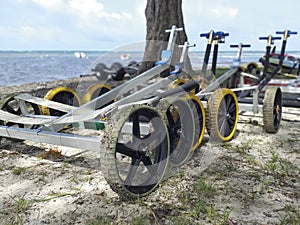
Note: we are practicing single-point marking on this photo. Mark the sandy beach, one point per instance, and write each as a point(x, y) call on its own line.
point(253, 179)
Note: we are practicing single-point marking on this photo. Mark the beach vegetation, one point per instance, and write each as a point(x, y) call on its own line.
point(100, 220)
point(19, 207)
point(18, 170)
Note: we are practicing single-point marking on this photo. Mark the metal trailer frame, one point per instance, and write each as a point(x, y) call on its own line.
point(265, 80)
point(94, 107)
point(254, 103)
point(290, 95)
point(50, 129)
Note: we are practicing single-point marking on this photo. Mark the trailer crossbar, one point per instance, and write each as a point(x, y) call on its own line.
point(63, 139)
point(44, 102)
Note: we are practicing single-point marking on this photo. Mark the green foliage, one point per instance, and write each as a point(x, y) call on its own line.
point(179, 220)
point(218, 218)
point(139, 220)
point(280, 168)
point(289, 219)
point(18, 170)
point(100, 220)
point(197, 203)
point(244, 146)
point(20, 206)
point(203, 188)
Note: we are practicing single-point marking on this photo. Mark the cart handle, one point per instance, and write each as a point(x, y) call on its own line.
point(173, 34)
point(188, 45)
point(221, 34)
point(266, 38)
point(288, 32)
point(174, 28)
point(240, 45)
point(218, 34)
point(270, 39)
point(205, 35)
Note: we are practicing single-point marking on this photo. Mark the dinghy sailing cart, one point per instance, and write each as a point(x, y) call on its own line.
point(141, 131)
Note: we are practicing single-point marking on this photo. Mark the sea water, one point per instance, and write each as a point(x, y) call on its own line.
point(21, 67)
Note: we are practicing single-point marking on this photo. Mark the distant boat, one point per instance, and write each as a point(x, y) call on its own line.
point(79, 54)
point(125, 56)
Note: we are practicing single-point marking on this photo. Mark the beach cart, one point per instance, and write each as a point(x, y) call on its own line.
point(222, 103)
point(141, 138)
point(265, 85)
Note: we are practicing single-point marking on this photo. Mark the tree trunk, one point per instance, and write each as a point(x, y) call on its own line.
point(162, 15)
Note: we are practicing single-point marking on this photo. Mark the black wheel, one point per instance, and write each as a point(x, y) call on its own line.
point(96, 91)
point(252, 68)
point(101, 74)
point(176, 83)
point(199, 119)
point(11, 105)
point(119, 71)
point(132, 67)
point(132, 63)
point(222, 115)
point(272, 109)
point(135, 151)
point(62, 95)
point(179, 82)
point(235, 81)
point(180, 122)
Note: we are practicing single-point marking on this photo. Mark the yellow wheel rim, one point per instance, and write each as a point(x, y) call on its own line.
point(96, 91)
point(222, 114)
point(53, 93)
point(199, 114)
point(179, 82)
point(176, 83)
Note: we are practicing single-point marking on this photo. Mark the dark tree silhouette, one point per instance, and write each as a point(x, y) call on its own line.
point(160, 16)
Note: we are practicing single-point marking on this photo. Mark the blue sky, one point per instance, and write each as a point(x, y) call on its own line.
point(108, 24)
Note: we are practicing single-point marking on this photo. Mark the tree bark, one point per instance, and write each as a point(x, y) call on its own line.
point(160, 16)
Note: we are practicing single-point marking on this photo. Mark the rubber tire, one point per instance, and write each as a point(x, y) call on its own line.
point(131, 63)
point(272, 109)
point(214, 111)
point(252, 68)
point(179, 82)
point(233, 81)
point(96, 91)
point(181, 128)
point(199, 119)
point(100, 73)
point(9, 103)
point(176, 83)
point(61, 94)
point(109, 154)
point(120, 72)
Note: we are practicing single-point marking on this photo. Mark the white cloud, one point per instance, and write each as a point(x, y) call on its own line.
point(225, 12)
point(27, 29)
point(49, 4)
point(107, 23)
point(87, 9)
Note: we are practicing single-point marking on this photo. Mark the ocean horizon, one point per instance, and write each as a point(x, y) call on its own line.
point(27, 66)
